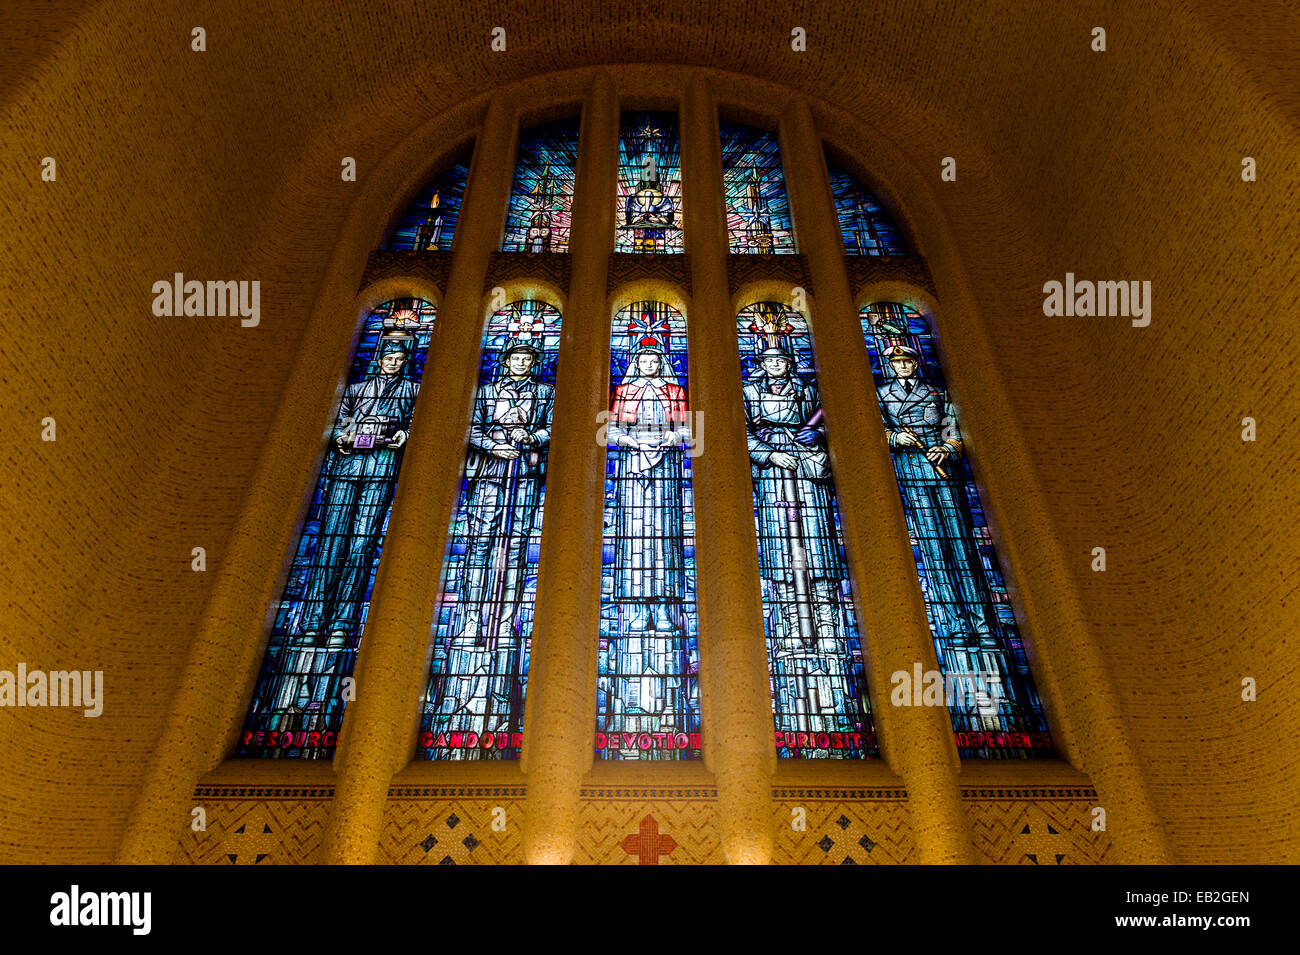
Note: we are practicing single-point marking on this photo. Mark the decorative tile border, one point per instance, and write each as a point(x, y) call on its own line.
point(841, 826)
point(1036, 826)
point(649, 826)
point(245, 825)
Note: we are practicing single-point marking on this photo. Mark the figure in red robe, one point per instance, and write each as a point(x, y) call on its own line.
point(649, 421)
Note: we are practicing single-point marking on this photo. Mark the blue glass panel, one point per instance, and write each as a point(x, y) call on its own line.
point(541, 197)
point(814, 649)
point(297, 707)
point(647, 693)
point(758, 210)
point(866, 229)
point(995, 708)
point(649, 213)
point(429, 222)
point(482, 632)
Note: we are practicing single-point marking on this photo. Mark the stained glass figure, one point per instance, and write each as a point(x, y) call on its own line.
point(814, 649)
point(866, 228)
point(649, 211)
point(647, 693)
point(541, 196)
point(429, 222)
point(758, 209)
point(482, 635)
point(995, 708)
point(297, 707)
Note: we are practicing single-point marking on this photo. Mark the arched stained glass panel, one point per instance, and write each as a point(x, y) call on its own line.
point(482, 632)
point(297, 707)
point(994, 705)
point(866, 228)
point(814, 648)
point(649, 213)
point(429, 222)
point(753, 182)
point(541, 197)
point(647, 693)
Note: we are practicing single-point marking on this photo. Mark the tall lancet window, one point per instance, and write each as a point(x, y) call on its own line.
point(753, 183)
point(297, 707)
point(995, 708)
point(814, 648)
point(866, 228)
point(649, 213)
point(482, 632)
point(647, 694)
point(541, 197)
point(429, 222)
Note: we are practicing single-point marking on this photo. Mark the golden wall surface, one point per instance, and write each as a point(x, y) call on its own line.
point(225, 165)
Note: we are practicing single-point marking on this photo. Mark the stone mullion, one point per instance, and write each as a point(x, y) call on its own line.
point(916, 741)
point(560, 716)
point(376, 733)
point(735, 695)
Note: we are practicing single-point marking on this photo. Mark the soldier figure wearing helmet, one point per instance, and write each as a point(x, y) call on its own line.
point(505, 471)
point(926, 450)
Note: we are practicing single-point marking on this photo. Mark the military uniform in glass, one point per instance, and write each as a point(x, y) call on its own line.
point(967, 605)
point(814, 650)
point(510, 430)
point(482, 632)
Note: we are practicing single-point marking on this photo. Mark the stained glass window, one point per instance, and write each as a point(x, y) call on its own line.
point(649, 213)
point(430, 220)
point(758, 210)
point(647, 693)
point(541, 196)
point(814, 648)
point(866, 228)
point(298, 703)
point(473, 706)
point(995, 708)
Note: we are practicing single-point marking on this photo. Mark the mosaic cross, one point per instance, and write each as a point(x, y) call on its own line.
point(647, 844)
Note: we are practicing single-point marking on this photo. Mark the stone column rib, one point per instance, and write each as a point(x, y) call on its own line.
point(916, 741)
point(735, 694)
point(560, 711)
point(376, 733)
